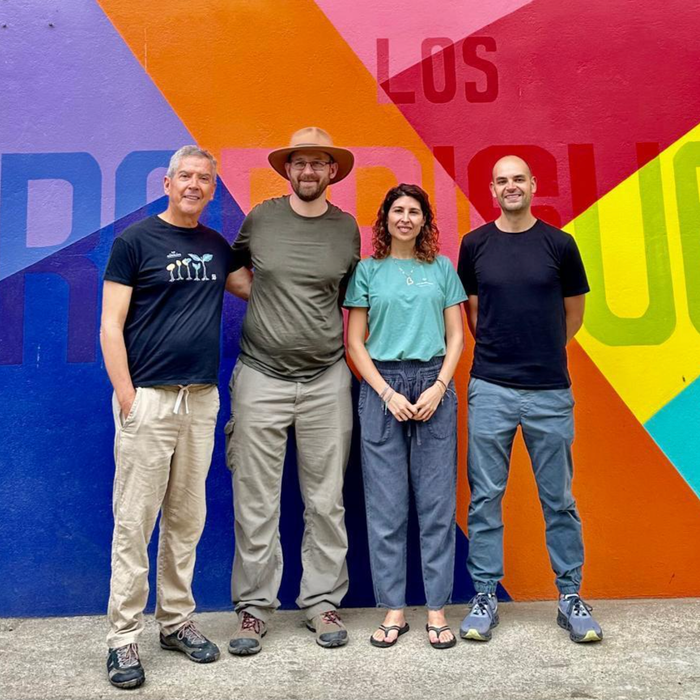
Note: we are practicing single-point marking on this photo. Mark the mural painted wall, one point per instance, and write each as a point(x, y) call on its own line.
point(602, 98)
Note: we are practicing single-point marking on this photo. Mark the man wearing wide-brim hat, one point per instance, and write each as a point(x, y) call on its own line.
point(291, 371)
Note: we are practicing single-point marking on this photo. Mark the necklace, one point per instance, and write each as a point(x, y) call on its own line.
point(407, 275)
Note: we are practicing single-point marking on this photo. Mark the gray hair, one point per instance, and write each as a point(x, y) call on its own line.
point(186, 152)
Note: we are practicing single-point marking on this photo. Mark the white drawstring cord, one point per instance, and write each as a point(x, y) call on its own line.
point(184, 391)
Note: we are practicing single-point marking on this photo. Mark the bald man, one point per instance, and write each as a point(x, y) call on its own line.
point(526, 285)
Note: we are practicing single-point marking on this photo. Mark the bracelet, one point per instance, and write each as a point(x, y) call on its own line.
point(386, 388)
point(441, 382)
point(387, 399)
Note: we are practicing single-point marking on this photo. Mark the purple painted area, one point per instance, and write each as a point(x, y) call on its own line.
point(75, 86)
point(49, 207)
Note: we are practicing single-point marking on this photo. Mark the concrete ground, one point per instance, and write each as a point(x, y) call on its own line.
point(651, 651)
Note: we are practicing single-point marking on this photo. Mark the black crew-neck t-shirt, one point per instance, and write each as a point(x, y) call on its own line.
point(178, 275)
point(521, 280)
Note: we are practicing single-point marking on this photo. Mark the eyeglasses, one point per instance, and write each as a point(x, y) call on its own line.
point(316, 165)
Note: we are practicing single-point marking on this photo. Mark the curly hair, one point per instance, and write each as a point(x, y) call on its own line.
point(428, 240)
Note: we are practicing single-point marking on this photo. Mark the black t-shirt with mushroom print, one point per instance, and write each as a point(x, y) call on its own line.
point(172, 331)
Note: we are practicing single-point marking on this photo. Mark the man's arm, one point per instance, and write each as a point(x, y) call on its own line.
point(573, 308)
point(471, 308)
point(240, 283)
point(115, 306)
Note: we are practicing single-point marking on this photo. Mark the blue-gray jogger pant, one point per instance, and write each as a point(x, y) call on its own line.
point(424, 454)
point(547, 421)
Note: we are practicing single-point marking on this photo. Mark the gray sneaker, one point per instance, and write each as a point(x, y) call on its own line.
point(247, 639)
point(124, 667)
point(574, 615)
point(191, 642)
point(482, 618)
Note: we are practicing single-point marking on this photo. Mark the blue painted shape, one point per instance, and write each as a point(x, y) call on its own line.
point(675, 430)
point(81, 170)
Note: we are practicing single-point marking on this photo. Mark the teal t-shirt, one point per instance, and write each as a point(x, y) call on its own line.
point(406, 321)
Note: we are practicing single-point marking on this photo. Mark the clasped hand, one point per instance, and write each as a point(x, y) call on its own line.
point(402, 409)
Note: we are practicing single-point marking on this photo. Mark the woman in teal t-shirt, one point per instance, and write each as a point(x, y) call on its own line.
point(408, 297)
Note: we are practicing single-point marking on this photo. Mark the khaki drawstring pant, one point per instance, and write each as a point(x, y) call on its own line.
point(162, 452)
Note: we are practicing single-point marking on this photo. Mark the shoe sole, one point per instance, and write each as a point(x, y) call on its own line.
point(128, 685)
point(590, 636)
point(334, 644)
point(477, 636)
point(191, 658)
point(246, 652)
point(249, 651)
point(328, 645)
point(443, 645)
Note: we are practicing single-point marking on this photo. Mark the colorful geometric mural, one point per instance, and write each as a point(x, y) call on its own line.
point(603, 100)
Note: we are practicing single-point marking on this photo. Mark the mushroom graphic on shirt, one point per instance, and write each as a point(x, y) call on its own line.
point(196, 264)
point(186, 263)
point(170, 269)
point(205, 258)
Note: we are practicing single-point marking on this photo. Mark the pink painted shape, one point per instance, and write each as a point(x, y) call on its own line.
point(576, 95)
point(406, 24)
point(235, 168)
point(400, 161)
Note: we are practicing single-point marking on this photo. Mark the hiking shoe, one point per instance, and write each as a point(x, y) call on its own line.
point(247, 638)
point(192, 643)
point(574, 615)
point(124, 667)
point(329, 628)
point(482, 618)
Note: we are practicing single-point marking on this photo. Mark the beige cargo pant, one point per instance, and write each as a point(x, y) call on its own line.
point(262, 411)
point(162, 452)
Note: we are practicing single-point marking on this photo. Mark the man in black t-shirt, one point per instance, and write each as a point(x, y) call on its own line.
point(526, 285)
point(161, 319)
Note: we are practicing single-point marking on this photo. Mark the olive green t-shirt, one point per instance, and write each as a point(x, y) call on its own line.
point(293, 327)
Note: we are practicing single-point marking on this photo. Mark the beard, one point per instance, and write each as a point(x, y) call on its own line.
point(308, 194)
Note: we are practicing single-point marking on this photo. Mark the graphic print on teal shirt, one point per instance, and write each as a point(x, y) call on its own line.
point(406, 300)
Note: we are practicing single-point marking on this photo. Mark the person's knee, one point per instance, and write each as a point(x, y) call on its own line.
point(559, 504)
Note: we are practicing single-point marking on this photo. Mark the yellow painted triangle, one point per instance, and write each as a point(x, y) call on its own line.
point(641, 248)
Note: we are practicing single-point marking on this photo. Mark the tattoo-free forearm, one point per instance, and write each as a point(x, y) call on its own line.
point(116, 362)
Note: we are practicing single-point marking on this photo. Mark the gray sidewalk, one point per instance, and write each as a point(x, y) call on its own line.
point(651, 651)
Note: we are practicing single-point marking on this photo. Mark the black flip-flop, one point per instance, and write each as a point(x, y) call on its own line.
point(438, 631)
point(382, 643)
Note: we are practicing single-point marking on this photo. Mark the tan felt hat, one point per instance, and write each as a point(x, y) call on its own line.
point(313, 138)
